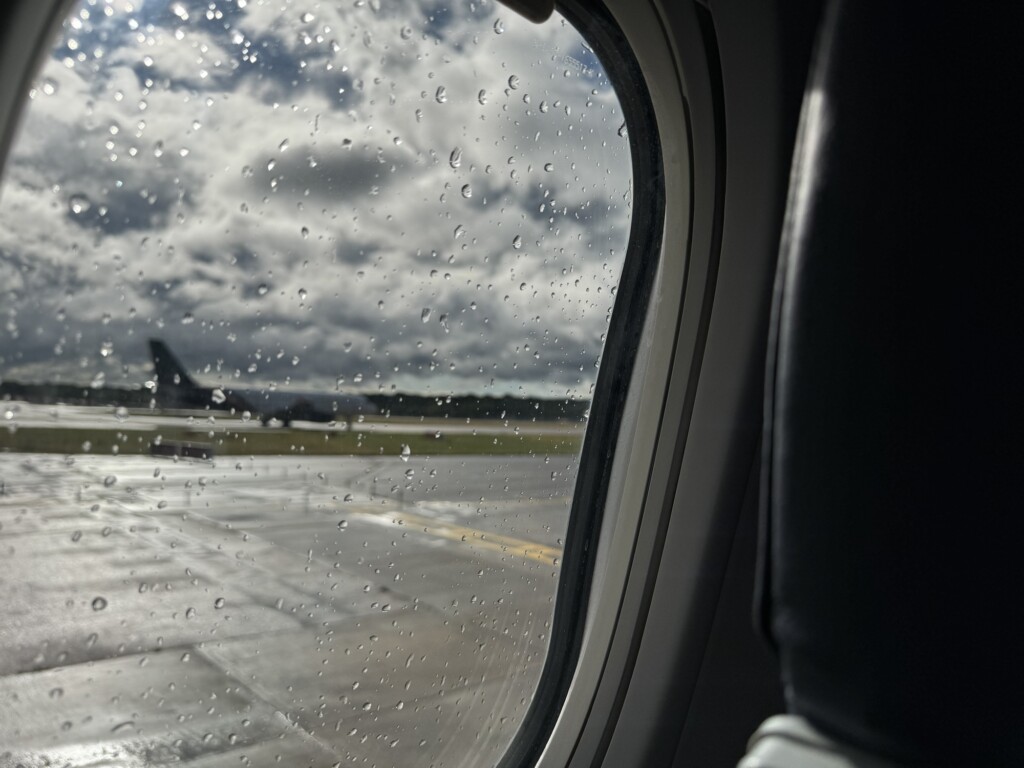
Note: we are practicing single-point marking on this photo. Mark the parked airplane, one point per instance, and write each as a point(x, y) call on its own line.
point(175, 388)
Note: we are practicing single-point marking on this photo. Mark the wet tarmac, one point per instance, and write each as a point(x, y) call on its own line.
point(273, 611)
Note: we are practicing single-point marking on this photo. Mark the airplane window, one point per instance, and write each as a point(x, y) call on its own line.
point(303, 309)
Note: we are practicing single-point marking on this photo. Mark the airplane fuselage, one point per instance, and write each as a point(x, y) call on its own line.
point(175, 388)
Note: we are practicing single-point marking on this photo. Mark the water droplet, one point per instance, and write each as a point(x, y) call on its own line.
point(282, 146)
point(543, 106)
point(49, 87)
point(467, 191)
point(190, 613)
point(79, 204)
point(425, 315)
point(513, 82)
point(499, 27)
point(622, 130)
point(441, 96)
point(406, 452)
point(481, 97)
point(262, 289)
point(517, 242)
point(218, 603)
point(99, 603)
point(218, 396)
point(342, 525)
point(187, 319)
point(303, 293)
point(406, 33)
point(307, 17)
point(109, 480)
point(455, 158)
point(106, 349)
point(549, 167)
point(305, 232)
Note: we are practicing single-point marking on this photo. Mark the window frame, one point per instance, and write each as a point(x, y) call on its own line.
point(620, 359)
point(678, 61)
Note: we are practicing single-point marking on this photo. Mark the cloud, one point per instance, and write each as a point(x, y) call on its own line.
point(391, 194)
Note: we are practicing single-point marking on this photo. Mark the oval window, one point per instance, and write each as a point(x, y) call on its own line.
point(303, 309)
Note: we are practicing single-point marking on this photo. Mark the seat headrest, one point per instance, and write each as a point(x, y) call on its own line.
point(894, 470)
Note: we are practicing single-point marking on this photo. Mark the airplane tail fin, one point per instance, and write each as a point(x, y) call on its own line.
point(169, 370)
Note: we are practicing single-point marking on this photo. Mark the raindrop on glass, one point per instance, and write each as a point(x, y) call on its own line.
point(79, 204)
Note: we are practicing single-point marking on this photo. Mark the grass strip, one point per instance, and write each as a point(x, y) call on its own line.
point(282, 442)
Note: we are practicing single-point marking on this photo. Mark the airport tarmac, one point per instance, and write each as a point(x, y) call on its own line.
point(320, 611)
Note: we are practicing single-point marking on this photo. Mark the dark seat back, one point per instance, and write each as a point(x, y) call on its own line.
point(893, 585)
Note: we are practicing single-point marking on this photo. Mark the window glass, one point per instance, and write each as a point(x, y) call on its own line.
point(303, 308)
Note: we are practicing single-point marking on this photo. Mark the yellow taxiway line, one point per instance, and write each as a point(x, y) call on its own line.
point(494, 542)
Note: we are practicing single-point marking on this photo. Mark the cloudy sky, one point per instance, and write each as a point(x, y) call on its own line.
point(373, 194)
